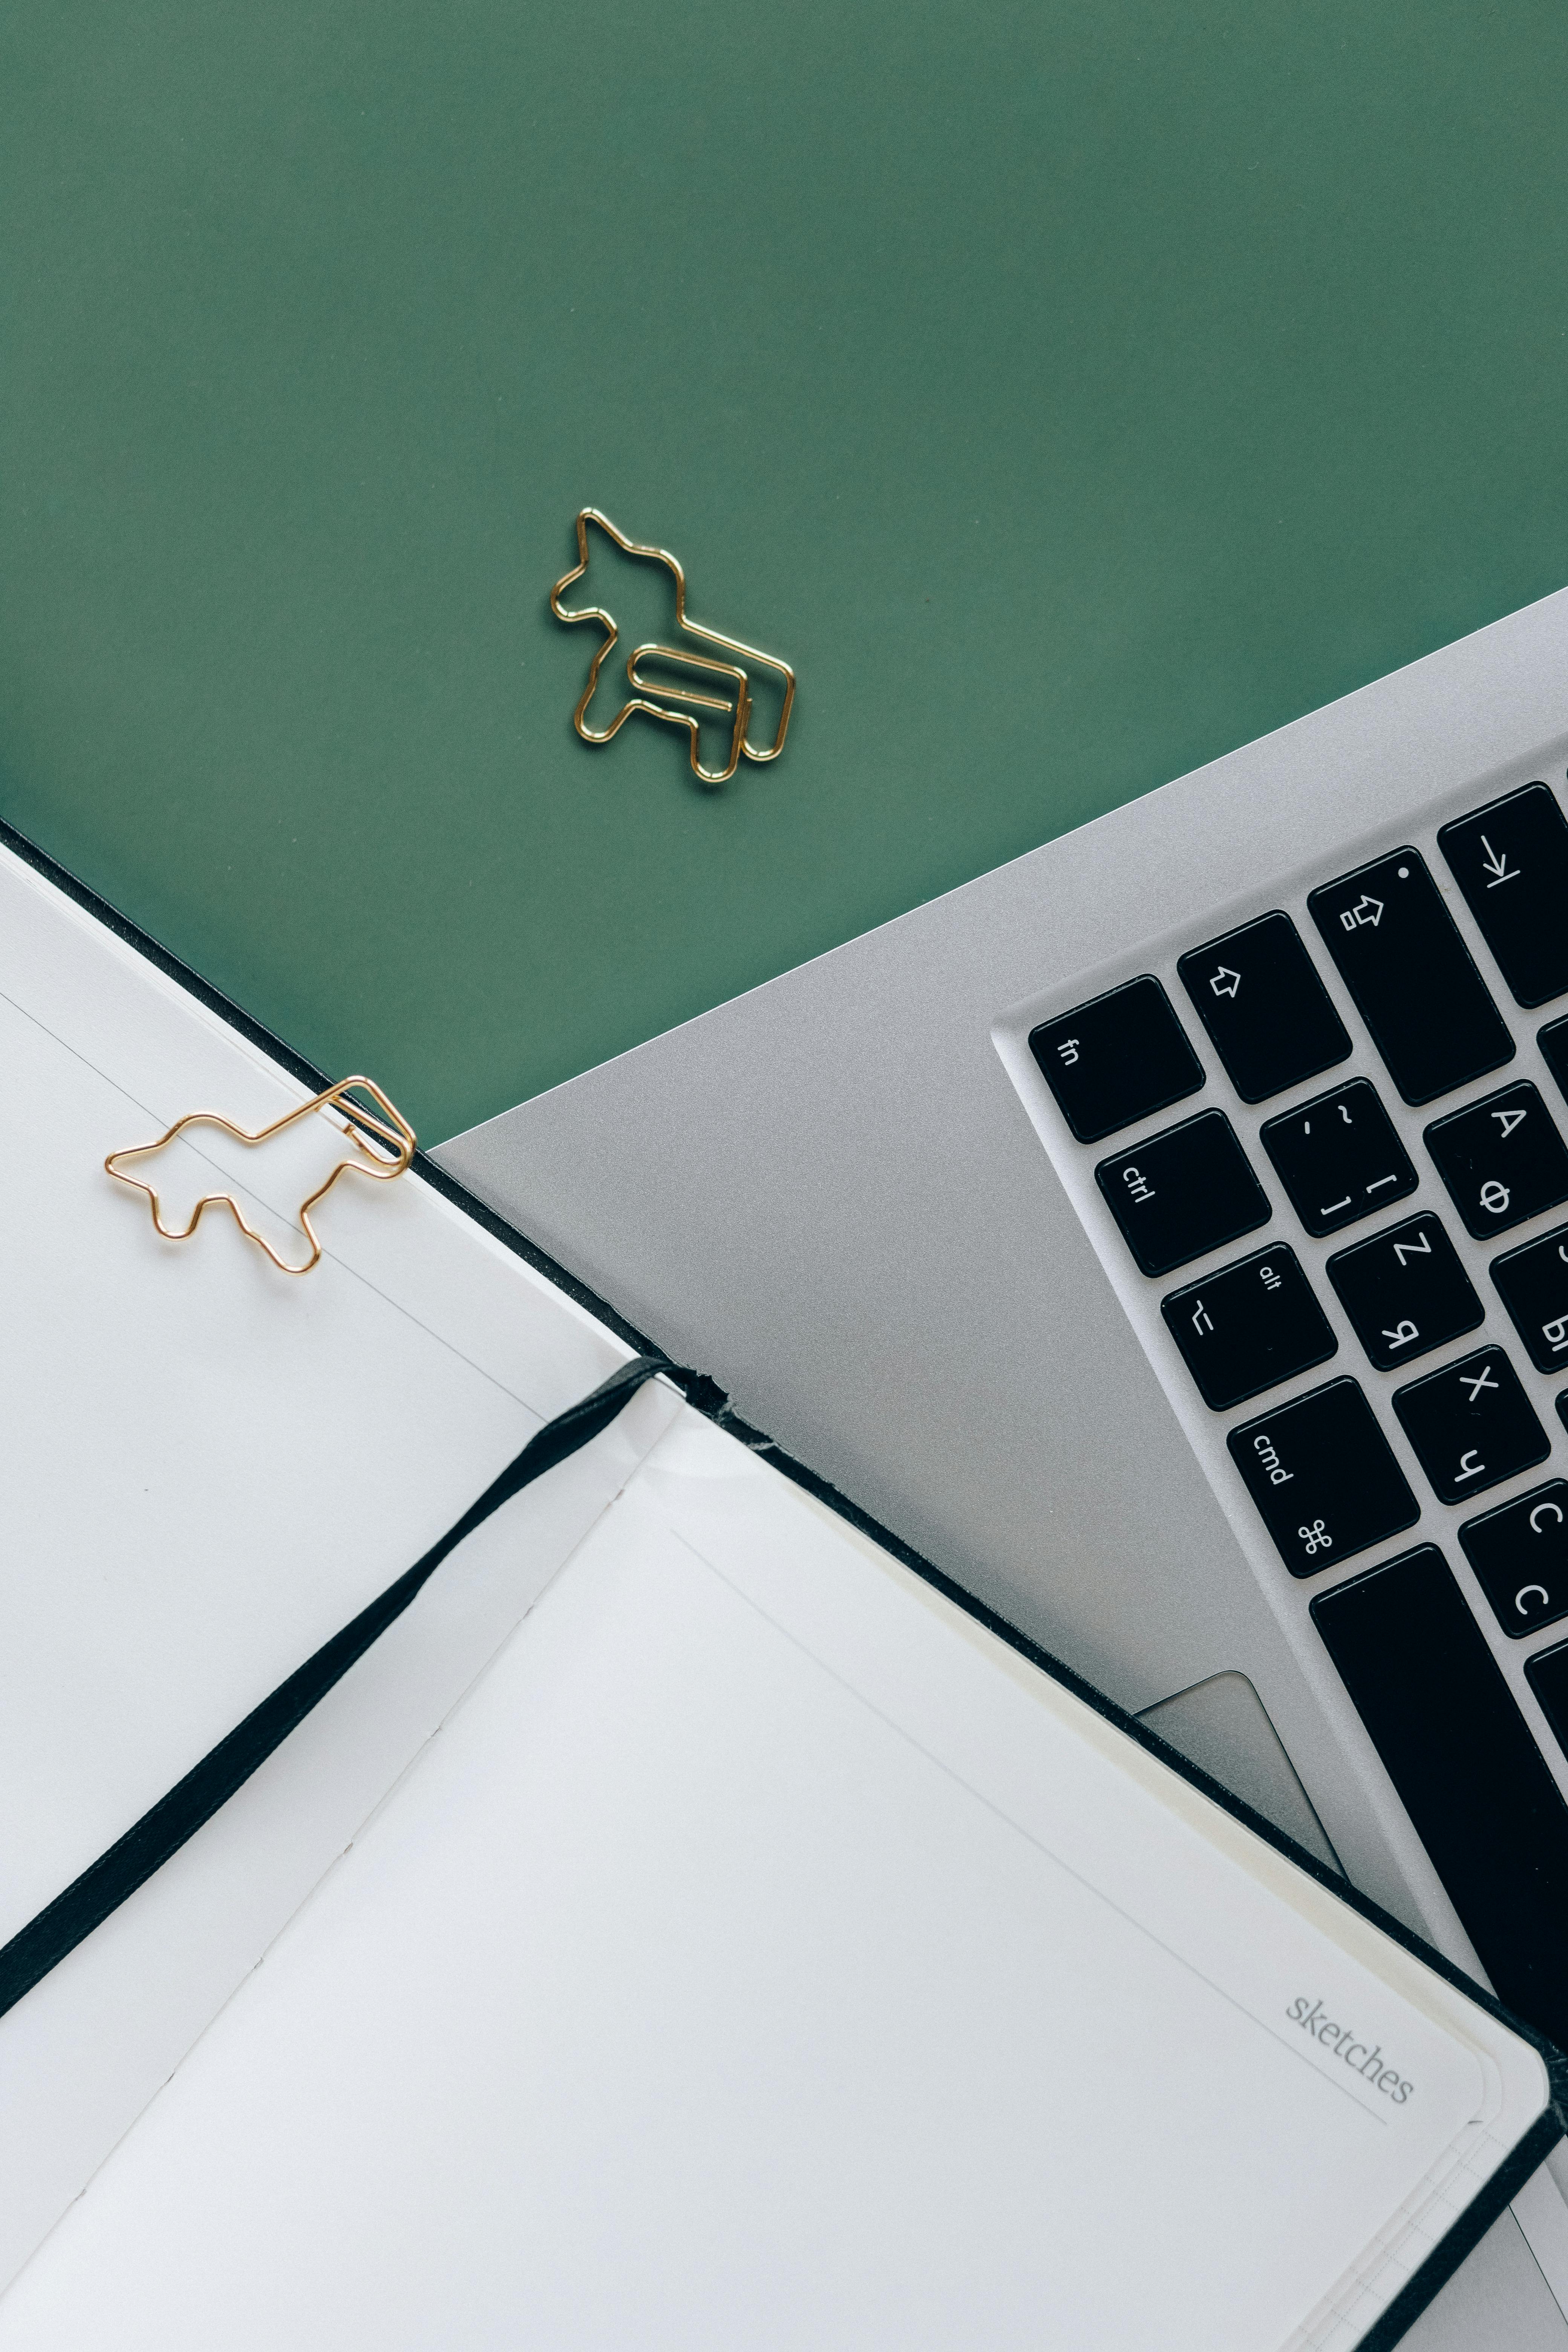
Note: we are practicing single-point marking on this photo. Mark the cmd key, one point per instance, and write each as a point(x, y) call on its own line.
point(1414, 980)
point(1510, 860)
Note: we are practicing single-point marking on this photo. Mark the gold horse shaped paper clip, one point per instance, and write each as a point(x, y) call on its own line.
point(384, 1148)
point(676, 683)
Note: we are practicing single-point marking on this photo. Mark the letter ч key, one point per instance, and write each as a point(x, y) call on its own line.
point(1471, 1425)
point(1501, 1158)
point(1248, 1327)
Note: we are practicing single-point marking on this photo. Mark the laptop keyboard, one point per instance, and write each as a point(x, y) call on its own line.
point(1334, 1467)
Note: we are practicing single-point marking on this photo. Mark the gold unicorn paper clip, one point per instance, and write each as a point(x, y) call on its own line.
point(691, 682)
point(383, 1148)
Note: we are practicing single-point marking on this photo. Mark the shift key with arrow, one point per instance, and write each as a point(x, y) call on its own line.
point(1413, 979)
point(1510, 860)
point(1257, 993)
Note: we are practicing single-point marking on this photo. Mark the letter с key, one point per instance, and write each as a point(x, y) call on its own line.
point(1501, 1158)
point(1520, 1554)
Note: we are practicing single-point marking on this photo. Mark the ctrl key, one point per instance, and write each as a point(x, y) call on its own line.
point(1323, 1477)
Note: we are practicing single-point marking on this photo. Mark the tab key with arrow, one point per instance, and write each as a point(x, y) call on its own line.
point(1521, 841)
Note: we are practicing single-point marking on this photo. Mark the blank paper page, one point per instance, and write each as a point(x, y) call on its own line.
point(762, 1955)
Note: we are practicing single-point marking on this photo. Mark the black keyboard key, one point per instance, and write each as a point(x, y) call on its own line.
point(1337, 1157)
point(1554, 1044)
point(1249, 1327)
point(1406, 1291)
point(1118, 1059)
point(1548, 1675)
point(1520, 1554)
point(1471, 1425)
point(1323, 1476)
point(1183, 1193)
point(1532, 1283)
point(1264, 1006)
point(1474, 1783)
point(1501, 1158)
point(1411, 976)
point(1510, 860)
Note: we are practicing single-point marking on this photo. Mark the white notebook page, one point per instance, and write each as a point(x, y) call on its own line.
point(764, 1954)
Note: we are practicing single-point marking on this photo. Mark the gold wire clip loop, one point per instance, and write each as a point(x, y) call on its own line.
point(374, 1136)
point(699, 682)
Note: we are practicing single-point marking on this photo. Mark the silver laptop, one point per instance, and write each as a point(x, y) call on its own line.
point(1166, 1235)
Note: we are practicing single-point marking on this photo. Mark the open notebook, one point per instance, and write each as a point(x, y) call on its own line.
point(764, 1951)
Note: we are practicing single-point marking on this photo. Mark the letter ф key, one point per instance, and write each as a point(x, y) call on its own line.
point(1520, 1554)
point(1532, 1283)
point(1471, 1425)
point(1501, 1158)
point(1324, 1476)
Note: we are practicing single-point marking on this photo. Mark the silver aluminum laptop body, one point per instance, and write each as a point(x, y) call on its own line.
point(853, 1196)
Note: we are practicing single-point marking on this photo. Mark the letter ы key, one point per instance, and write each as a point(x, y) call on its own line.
point(1533, 1282)
point(1337, 1157)
point(1118, 1059)
point(1322, 1474)
point(1471, 1425)
point(1510, 860)
point(1248, 1327)
point(1520, 1554)
point(1411, 976)
point(1179, 1194)
point(1501, 1158)
point(1264, 1006)
point(1406, 1291)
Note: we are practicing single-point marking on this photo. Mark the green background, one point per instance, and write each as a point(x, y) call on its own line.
point(1068, 392)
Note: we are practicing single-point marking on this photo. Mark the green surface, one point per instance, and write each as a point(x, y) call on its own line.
point(1068, 392)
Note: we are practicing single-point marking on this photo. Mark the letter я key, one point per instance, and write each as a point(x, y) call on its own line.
point(1510, 860)
point(1406, 1291)
point(1411, 976)
point(1501, 1158)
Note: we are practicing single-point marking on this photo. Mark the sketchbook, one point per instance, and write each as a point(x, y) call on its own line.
point(689, 1923)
